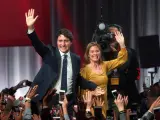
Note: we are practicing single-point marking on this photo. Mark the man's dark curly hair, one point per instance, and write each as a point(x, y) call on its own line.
point(66, 33)
point(116, 26)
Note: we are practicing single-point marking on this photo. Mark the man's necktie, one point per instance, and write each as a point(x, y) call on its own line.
point(64, 74)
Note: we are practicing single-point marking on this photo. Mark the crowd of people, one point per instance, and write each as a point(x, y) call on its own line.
point(22, 109)
point(62, 89)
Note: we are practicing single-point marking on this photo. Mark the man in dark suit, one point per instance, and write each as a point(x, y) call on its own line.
point(128, 72)
point(60, 68)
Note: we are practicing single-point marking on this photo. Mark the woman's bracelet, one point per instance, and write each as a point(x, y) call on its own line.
point(27, 99)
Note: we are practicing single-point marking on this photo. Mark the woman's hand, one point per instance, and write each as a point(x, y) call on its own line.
point(120, 39)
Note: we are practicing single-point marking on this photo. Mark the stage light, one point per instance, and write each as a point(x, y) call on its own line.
point(101, 26)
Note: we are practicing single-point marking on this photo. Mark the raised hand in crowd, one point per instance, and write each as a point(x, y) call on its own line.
point(65, 103)
point(149, 115)
point(32, 92)
point(98, 101)
point(46, 100)
point(125, 98)
point(18, 115)
point(119, 101)
point(30, 19)
point(4, 116)
point(9, 103)
point(64, 108)
point(88, 99)
point(36, 117)
point(155, 104)
point(48, 97)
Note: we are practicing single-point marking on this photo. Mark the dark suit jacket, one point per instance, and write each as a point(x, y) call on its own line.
point(148, 116)
point(49, 72)
point(128, 73)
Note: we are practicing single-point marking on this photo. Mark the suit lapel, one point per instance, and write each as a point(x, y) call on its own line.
point(58, 56)
point(73, 63)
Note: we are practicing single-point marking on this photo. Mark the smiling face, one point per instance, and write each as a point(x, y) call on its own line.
point(63, 43)
point(94, 54)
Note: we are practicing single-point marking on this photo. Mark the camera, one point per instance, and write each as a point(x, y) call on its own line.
point(107, 36)
point(104, 37)
point(103, 40)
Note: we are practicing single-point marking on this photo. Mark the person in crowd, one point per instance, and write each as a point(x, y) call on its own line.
point(95, 69)
point(7, 101)
point(64, 108)
point(90, 99)
point(149, 96)
point(9, 109)
point(27, 115)
point(149, 115)
point(121, 102)
point(45, 109)
point(128, 73)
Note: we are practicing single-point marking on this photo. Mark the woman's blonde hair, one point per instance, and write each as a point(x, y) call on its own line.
point(86, 55)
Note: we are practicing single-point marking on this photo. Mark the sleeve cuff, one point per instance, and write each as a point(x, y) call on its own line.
point(30, 31)
point(66, 117)
point(150, 112)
